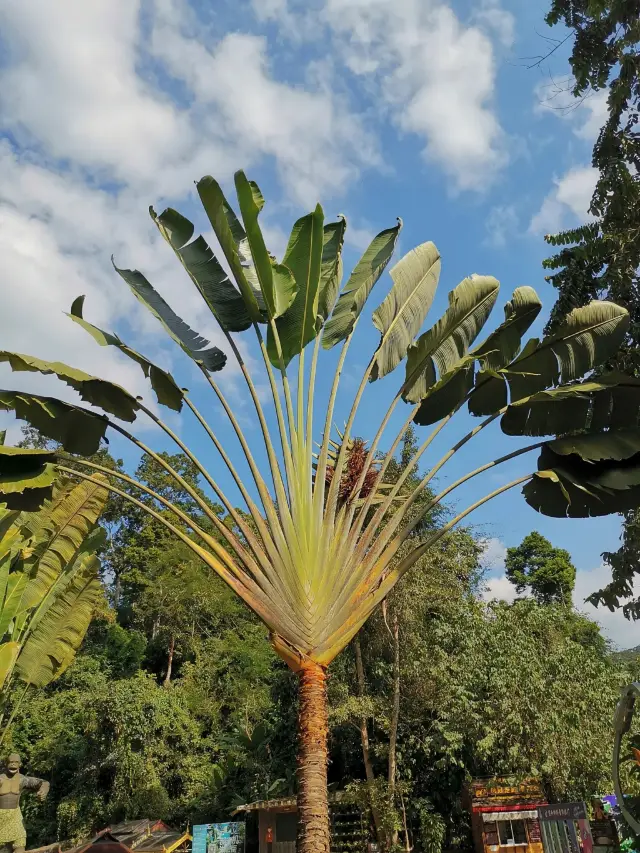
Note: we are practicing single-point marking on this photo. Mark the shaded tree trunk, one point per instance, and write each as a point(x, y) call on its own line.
point(395, 715)
point(313, 727)
point(172, 648)
point(366, 750)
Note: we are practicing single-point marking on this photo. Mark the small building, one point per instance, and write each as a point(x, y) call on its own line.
point(504, 814)
point(277, 825)
point(141, 836)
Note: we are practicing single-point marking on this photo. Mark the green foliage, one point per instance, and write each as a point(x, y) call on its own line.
point(602, 258)
point(49, 586)
point(545, 571)
point(484, 690)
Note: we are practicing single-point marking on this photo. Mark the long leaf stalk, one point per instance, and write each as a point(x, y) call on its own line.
point(212, 516)
point(402, 510)
point(228, 505)
point(272, 515)
point(411, 525)
point(323, 457)
point(422, 549)
point(270, 510)
point(382, 552)
point(239, 581)
point(209, 540)
point(362, 604)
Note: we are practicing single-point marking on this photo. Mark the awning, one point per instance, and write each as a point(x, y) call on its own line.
point(491, 817)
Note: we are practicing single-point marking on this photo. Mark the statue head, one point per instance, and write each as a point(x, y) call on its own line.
point(13, 764)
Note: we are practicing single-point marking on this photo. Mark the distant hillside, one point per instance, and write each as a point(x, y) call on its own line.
point(628, 654)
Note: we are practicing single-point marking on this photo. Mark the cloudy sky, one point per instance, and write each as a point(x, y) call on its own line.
point(422, 109)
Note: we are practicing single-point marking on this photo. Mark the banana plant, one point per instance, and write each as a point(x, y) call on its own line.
point(49, 584)
point(315, 553)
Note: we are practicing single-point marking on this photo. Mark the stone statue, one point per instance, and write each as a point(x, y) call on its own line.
point(13, 836)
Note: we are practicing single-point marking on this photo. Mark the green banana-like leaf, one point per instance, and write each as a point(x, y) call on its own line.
point(167, 391)
point(277, 282)
point(331, 268)
point(612, 401)
point(499, 348)
point(216, 288)
point(26, 477)
point(449, 391)
point(359, 285)
point(232, 239)
point(587, 475)
point(8, 654)
point(297, 327)
point(587, 338)
point(6, 556)
point(57, 534)
point(190, 342)
point(440, 350)
point(77, 430)
point(401, 315)
point(98, 392)
point(11, 604)
point(52, 645)
point(503, 345)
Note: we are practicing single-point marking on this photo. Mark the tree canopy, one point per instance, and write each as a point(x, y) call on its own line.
point(547, 572)
point(601, 259)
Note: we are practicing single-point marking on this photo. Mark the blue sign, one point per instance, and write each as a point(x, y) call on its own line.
point(219, 838)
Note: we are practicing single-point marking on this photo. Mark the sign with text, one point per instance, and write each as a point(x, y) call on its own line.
point(505, 791)
point(219, 838)
point(563, 811)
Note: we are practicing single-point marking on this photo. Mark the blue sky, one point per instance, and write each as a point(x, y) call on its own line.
point(422, 109)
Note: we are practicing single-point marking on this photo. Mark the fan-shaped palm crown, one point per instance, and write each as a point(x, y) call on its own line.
point(318, 556)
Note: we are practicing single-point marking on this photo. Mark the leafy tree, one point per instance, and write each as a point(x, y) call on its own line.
point(316, 561)
point(486, 690)
point(601, 259)
point(546, 571)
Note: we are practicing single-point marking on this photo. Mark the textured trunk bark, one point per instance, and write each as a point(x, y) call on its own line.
point(366, 750)
point(172, 648)
point(395, 716)
point(313, 727)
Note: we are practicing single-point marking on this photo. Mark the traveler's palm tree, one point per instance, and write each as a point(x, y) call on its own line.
point(323, 543)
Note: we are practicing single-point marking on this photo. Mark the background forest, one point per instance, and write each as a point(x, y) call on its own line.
point(176, 706)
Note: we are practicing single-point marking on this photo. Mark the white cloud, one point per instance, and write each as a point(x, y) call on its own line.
point(493, 17)
point(96, 139)
point(501, 225)
point(623, 632)
point(494, 554)
point(499, 588)
point(73, 88)
point(591, 116)
point(317, 144)
point(567, 205)
point(435, 73)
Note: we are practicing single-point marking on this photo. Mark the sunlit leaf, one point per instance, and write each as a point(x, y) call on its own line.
point(401, 315)
point(191, 342)
point(359, 285)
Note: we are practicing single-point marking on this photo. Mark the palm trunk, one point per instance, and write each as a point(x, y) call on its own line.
point(172, 648)
point(313, 727)
point(366, 750)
